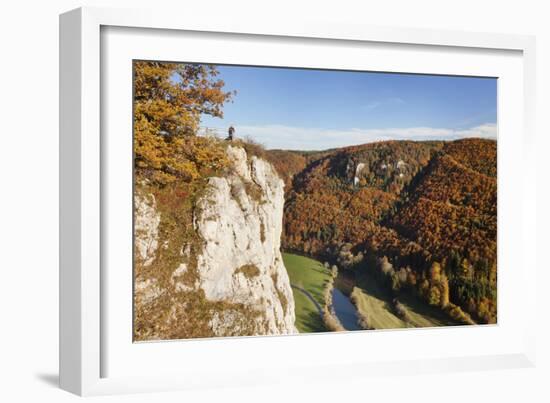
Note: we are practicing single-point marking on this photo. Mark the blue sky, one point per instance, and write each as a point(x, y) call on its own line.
point(320, 109)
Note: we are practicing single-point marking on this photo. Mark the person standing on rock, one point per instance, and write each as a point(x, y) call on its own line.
point(230, 133)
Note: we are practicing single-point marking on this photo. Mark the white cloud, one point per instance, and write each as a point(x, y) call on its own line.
point(372, 105)
point(308, 138)
point(488, 130)
point(383, 103)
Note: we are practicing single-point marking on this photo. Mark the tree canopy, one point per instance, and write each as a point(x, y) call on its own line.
point(169, 99)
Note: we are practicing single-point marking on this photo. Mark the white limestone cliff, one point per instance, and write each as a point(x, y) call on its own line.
point(239, 223)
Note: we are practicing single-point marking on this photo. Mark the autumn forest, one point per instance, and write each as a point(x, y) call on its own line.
point(425, 209)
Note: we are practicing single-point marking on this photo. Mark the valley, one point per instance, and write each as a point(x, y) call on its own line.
point(413, 223)
point(350, 296)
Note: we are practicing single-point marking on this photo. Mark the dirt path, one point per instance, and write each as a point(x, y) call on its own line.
point(310, 297)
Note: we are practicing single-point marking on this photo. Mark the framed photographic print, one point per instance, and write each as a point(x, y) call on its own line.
point(276, 198)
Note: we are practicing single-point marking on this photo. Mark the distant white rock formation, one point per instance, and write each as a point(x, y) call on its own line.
point(358, 171)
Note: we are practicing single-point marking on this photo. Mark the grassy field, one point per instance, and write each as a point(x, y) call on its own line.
point(375, 303)
point(310, 275)
point(424, 315)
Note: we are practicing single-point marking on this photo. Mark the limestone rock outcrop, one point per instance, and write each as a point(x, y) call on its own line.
point(239, 270)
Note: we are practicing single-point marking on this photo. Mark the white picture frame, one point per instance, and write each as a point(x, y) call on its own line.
point(83, 173)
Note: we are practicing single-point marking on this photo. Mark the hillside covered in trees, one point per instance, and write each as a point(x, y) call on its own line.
point(421, 216)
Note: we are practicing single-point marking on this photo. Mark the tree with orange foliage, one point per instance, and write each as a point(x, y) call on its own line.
point(169, 99)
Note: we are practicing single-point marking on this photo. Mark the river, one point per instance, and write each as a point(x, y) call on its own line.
point(345, 310)
point(342, 306)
